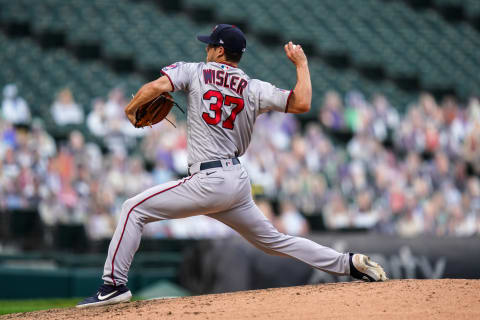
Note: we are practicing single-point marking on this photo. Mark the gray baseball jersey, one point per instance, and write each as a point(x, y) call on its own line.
point(223, 103)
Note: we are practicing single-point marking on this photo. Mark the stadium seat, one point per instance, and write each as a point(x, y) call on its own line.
point(382, 39)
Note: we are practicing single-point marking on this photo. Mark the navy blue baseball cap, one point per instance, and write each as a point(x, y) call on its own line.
point(228, 36)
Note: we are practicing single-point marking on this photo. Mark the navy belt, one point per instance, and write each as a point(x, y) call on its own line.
point(214, 164)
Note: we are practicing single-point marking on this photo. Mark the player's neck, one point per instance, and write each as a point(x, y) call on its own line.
point(228, 63)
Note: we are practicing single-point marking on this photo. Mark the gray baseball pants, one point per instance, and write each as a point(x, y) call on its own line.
point(223, 194)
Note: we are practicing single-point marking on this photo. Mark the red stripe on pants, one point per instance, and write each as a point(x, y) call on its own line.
point(128, 215)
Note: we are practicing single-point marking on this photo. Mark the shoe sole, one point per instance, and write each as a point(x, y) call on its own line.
point(369, 267)
point(124, 297)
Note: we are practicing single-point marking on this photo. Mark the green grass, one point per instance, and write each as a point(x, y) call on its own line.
point(15, 306)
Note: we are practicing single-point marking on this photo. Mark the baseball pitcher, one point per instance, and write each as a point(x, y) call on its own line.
point(223, 103)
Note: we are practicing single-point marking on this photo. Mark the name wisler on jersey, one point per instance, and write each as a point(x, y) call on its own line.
point(224, 79)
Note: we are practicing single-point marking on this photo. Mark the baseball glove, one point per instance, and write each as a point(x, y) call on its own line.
point(153, 111)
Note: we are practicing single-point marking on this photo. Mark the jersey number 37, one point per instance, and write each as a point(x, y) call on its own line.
point(216, 106)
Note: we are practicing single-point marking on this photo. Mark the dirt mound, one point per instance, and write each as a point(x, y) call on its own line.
point(396, 299)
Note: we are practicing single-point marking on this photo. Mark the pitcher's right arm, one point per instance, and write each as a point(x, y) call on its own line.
point(301, 99)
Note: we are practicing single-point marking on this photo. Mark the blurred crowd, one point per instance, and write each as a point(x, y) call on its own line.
point(412, 174)
point(363, 164)
point(366, 165)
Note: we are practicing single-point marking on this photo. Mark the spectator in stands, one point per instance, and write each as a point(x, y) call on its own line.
point(14, 108)
point(13, 195)
point(473, 192)
point(41, 142)
point(101, 223)
point(362, 211)
point(168, 143)
point(410, 224)
point(266, 207)
point(97, 121)
point(136, 178)
point(115, 173)
point(11, 167)
point(115, 104)
point(386, 118)
point(161, 173)
point(8, 135)
point(77, 148)
point(28, 184)
point(50, 210)
point(335, 212)
point(158, 141)
point(65, 110)
point(473, 110)
point(331, 113)
point(290, 221)
point(471, 148)
point(119, 134)
point(354, 111)
point(113, 111)
point(179, 151)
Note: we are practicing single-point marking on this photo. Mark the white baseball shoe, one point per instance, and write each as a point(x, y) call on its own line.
point(361, 267)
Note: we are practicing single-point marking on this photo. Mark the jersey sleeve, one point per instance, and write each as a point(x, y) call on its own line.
point(179, 74)
point(268, 97)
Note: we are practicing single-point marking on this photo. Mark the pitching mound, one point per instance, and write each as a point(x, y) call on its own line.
point(396, 299)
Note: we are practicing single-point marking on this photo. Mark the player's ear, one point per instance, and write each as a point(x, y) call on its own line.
point(221, 51)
